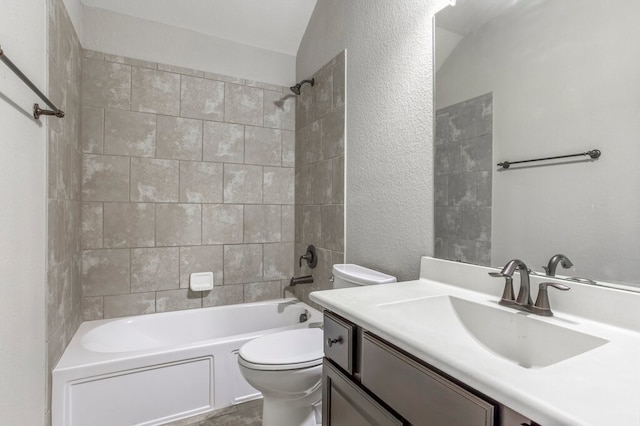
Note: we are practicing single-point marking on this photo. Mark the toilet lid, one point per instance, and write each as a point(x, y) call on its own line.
point(284, 350)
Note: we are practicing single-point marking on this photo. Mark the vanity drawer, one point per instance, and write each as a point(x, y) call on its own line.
point(339, 341)
point(418, 394)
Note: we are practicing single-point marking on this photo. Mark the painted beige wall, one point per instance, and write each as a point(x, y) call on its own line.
point(389, 124)
point(580, 94)
point(22, 217)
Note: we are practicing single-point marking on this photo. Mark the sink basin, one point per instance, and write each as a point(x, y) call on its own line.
point(515, 336)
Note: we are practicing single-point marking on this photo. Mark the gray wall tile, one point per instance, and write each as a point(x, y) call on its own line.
point(201, 259)
point(338, 180)
point(477, 154)
point(242, 184)
point(130, 61)
point(322, 94)
point(483, 190)
point(178, 138)
point(279, 185)
point(92, 129)
point(178, 224)
point(339, 81)
point(463, 170)
point(223, 142)
point(288, 223)
point(223, 295)
point(242, 263)
point(262, 223)
point(129, 133)
point(180, 70)
point(177, 300)
point(59, 295)
point(333, 134)
point(288, 148)
point(461, 189)
point(200, 182)
point(312, 225)
point(105, 178)
point(322, 176)
point(154, 180)
point(92, 308)
point(333, 227)
point(243, 105)
point(308, 144)
point(129, 304)
point(203, 99)
point(279, 110)
point(222, 223)
point(105, 272)
point(105, 84)
point(226, 78)
point(158, 160)
point(91, 224)
point(267, 290)
point(262, 146)
point(155, 91)
point(129, 225)
point(154, 269)
point(277, 261)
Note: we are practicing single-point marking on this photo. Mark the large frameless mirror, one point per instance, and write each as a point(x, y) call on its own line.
point(519, 80)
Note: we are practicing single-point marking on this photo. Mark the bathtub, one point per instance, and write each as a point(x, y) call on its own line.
point(153, 369)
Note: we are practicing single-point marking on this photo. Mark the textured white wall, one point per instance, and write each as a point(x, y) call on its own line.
point(22, 217)
point(389, 123)
point(123, 35)
point(568, 88)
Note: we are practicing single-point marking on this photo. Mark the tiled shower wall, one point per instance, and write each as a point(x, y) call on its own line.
point(463, 175)
point(64, 303)
point(320, 137)
point(183, 171)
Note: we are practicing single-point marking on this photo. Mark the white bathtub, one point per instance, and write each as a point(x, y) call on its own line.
point(153, 369)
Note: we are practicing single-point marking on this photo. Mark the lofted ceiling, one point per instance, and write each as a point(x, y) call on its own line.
point(276, 25)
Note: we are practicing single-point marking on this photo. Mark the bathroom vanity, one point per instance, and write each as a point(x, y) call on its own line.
point(441, 351)
point(367, 380)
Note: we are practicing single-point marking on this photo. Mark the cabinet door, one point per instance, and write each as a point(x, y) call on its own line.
point(415, 392)
point(345, 404)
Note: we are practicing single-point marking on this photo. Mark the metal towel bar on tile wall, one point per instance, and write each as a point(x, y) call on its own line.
point(594, 153)
point(37, 111)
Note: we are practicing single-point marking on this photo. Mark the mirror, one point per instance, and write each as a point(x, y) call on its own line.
point(519, 80)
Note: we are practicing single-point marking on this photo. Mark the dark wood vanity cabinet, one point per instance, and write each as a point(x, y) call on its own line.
point(368, 381)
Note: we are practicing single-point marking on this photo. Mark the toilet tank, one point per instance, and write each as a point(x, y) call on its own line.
point(350, 275)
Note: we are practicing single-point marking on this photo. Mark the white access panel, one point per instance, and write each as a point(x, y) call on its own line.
point(149, 396)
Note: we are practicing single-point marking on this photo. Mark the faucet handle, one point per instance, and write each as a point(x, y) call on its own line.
point(541, 306)
point(507, 294)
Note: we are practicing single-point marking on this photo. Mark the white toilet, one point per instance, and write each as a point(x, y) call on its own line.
point(287, 366)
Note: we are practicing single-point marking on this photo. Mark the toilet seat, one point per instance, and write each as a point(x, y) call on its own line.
point(286, 350)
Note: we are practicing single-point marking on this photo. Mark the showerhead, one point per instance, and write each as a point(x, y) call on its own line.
point(296, 89)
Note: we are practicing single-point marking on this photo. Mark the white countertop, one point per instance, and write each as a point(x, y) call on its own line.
point(600, 387)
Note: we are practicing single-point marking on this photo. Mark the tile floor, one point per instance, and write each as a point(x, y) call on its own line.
point(246, 414)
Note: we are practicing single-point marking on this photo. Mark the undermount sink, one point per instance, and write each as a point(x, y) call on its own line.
point(512, 335)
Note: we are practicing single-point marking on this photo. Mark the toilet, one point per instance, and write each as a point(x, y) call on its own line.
point(287, 366)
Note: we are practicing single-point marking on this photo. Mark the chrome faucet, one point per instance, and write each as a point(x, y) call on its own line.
point(523, 302)
point(551, 267)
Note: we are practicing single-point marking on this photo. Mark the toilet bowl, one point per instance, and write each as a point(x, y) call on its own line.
point(287, 368)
